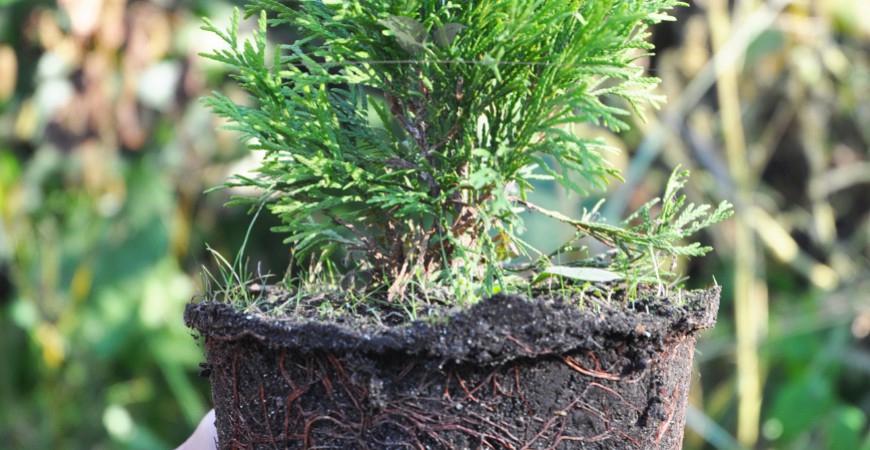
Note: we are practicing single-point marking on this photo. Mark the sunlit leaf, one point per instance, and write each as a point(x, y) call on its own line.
point(590, 274)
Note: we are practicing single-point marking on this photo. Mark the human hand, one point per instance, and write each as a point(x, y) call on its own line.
point(204, 437)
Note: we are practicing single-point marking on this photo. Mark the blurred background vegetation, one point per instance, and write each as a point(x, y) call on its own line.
point(105, 154)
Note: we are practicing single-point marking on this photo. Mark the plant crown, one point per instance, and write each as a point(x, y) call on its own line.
point(400, 138)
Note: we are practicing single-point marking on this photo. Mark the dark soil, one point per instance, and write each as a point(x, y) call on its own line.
point(508, 373)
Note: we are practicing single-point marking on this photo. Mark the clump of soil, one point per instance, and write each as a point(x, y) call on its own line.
point(507, 373)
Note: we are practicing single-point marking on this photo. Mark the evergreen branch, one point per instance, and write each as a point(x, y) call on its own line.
point(407, 134)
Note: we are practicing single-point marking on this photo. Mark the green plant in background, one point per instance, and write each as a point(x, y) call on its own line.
point(101, 148)
point(401, 138)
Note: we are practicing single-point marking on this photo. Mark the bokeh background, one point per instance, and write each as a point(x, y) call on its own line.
point(105, 153)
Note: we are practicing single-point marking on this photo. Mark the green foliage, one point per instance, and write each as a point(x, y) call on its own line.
point(403, 137)
point(645, 241)
point(100, 218)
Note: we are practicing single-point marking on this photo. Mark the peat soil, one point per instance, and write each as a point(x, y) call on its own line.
point(507, 373)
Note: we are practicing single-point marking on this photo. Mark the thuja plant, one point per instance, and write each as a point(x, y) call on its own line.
point(400, 139)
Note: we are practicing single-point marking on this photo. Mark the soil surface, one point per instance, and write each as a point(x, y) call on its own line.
point(507, 373)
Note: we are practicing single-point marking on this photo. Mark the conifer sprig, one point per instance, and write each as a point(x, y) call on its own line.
point(401, 137)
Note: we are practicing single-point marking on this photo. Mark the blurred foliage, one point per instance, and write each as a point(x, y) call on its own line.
point(802, 70)
point(104, 156)
point(105, 153)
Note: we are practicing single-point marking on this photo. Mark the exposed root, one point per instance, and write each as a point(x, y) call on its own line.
point(340, 402)
point(592, 373)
